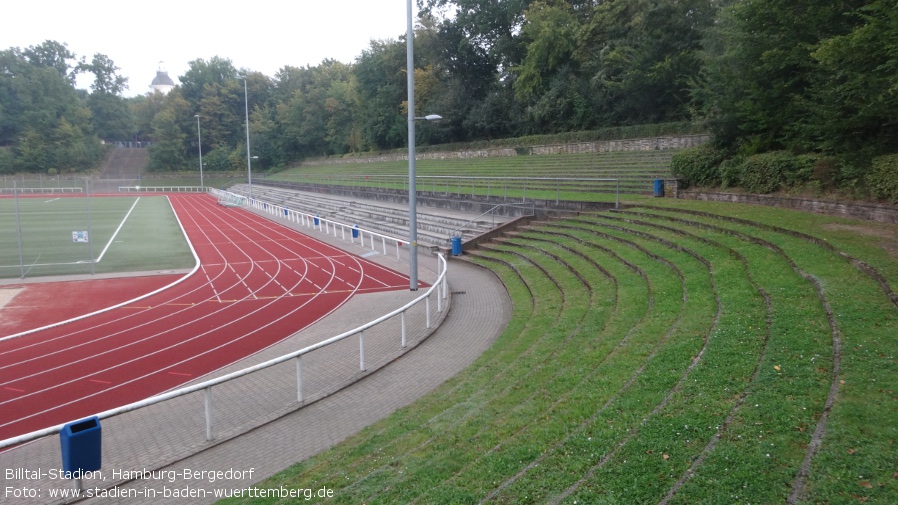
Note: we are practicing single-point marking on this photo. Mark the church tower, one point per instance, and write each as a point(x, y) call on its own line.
point(162, 82)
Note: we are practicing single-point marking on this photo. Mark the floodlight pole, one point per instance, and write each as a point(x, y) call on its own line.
point(412, 190)
point(249, 168)
point(199, 148)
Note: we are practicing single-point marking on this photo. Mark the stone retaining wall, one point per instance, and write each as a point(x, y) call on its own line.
point(882, 213)
point(601, 146)
point(604, 146)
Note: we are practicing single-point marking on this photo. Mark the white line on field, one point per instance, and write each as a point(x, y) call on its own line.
point(116, 231)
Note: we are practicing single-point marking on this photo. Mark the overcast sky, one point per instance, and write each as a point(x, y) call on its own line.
point(261, 35)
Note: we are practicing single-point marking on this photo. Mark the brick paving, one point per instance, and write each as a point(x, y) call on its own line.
point(339, 399)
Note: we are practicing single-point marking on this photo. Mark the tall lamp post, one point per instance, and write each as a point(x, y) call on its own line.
point(199, 148)
point(249, 169)
point(412, 190)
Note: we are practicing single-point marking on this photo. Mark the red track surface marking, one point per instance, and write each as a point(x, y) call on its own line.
point(46, 303)
point(260, 283)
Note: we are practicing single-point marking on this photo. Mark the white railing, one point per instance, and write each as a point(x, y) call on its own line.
point(438, 290)
point(326, 226)
point(161, 189)
point(47, 190)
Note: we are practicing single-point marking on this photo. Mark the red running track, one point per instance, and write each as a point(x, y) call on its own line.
point(259, 283)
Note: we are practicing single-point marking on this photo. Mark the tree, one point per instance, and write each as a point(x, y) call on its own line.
point(380, 74)
point(143, 109)
point(854, 98)
point(550, 33)
point(168, 152)
point(221, 110)
point(200, 73)
point(110, 116)
point(54, 55)
point(106, 78)
point(759, 69)
point(641, 56)
point(44, 119)
point(487, 28)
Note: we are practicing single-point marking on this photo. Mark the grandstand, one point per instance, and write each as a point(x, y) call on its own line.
point(636, 170)
point(666, 354)
point(435, 226)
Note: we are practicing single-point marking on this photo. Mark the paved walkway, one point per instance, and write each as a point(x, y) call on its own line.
point(478, 313)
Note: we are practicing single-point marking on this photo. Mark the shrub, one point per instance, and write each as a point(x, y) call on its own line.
point(775, 170)
point(697, 166)
point(731, 172)
point(883, 178)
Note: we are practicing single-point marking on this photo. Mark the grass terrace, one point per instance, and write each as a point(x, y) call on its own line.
point(501, 176)
point(677, 352)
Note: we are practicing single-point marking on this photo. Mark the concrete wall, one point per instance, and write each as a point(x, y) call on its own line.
point(600, 146)
point(648, 144)
point(466, 203)
point(882, 213)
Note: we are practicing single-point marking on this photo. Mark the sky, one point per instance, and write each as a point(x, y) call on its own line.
point(260, 35)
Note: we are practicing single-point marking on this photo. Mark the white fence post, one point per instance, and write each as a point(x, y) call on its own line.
point(207, 400)
point(299, 378)
point(402, 318)
point(362, 351)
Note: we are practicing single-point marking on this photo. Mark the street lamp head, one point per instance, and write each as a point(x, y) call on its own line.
point(255, 157)
point(196, 115)
point(433, 117)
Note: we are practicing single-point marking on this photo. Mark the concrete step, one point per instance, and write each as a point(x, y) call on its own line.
point(433, 229)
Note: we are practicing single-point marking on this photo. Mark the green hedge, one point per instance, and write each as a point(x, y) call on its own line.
point(775, 170)
point(697, 166)
point(883, 177)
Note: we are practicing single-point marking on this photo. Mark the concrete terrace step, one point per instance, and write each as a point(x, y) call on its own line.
point(433, 229)
point(329, 208)
point(125, 163)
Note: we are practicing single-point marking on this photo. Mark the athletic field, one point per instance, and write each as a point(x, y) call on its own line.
point(77, 234)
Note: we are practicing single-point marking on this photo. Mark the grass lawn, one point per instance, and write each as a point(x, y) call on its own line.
point(675, 352)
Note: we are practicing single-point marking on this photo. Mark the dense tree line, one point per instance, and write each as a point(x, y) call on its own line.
point(799, 93)
point(48, 126)
point(809, 84)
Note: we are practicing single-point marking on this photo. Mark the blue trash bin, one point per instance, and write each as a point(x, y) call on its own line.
point(355, 231)
point(81, 443)
point(659, 187)
point(456, 246)
point(317, 222)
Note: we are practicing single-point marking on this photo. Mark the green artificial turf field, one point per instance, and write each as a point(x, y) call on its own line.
point(45, 235)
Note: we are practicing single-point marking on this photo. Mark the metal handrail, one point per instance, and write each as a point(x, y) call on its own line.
point(490, 211)
point(440, 284)
point(307, 218)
